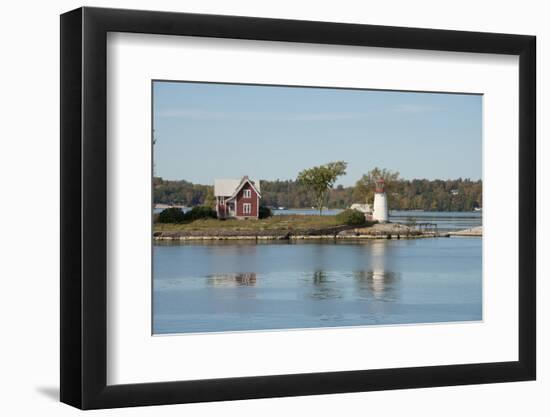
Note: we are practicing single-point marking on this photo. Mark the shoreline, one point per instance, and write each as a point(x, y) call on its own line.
point(378, 231)
point(472, 232)
point(297, 237)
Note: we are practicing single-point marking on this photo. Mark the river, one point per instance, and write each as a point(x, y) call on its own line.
point(445, 220)
point(243, 285)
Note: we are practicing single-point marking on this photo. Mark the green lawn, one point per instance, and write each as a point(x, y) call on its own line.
point(286, 222)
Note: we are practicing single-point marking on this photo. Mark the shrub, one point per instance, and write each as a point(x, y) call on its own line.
point(200, 212)
point(171, 215)
point(351, 217)
point(176, 215)
point(264, 212)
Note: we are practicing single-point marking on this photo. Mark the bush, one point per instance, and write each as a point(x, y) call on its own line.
point(200, 212)
point(264, 212)
point(176, 215)
point(351, 217)
point(171, 215)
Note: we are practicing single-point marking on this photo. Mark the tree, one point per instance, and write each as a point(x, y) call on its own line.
point(264, 212)
point(210, 199)
point(171, 215)
point(321, 179)
point(364, 188)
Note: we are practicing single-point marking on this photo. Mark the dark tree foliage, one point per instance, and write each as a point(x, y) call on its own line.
point(264, 212)
point(200, 212)
point(171, 215)
point(176, 215)
point(436, 195)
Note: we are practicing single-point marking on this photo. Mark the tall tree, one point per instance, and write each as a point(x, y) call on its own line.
point(321, 179)
point(364, 187)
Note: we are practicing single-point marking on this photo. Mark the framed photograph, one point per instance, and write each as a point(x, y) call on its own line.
point(259, 208)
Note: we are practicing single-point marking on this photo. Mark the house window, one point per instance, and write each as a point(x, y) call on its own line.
point(247, 193)
point(247, 208)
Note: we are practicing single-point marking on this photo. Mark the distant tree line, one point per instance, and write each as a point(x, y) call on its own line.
point(182, 193)
point(436, 195)
point(417, 194)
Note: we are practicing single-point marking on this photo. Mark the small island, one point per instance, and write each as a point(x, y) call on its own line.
point(233, 211)
point(288, 227)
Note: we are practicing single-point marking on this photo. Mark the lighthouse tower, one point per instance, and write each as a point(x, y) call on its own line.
point(380, 210)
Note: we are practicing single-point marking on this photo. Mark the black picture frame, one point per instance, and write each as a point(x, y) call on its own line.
point(84, 207)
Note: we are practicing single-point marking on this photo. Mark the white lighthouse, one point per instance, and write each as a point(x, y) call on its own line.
point(380, 209)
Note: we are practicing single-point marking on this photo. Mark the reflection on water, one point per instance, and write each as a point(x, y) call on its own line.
point(281, 285)
point(319, 277)
point(232, 280)
point(378, 284)
point(323, 287)
point(378, 281)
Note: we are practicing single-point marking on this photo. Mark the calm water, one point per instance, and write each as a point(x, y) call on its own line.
point(209, 287)
point(445, 220)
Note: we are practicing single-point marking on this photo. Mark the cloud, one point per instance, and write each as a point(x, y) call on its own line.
point(196, 114)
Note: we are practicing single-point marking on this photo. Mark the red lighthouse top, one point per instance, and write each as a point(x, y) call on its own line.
point(379, 185)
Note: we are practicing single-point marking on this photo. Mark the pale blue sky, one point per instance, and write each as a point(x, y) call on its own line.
point(207, 131)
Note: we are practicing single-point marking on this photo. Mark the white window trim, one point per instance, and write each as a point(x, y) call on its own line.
point(247, 208)
point(247, 193)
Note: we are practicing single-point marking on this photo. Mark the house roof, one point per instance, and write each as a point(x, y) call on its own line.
point(229, 187)
point(224, 188)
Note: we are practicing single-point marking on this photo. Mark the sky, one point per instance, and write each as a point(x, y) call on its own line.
point(205, 131)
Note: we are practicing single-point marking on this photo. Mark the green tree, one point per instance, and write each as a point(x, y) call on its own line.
point(321, 179)
point(171, 215)
point(210, 199)
point(364, 188)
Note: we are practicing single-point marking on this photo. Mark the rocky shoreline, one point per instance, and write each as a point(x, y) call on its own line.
point(473, 232)
point(378, 231)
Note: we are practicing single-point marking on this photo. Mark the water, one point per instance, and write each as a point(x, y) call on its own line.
point(445, 220)
point(157, 210)
point(242, 285)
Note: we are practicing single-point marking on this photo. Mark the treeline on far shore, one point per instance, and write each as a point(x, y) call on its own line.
point(417, 194)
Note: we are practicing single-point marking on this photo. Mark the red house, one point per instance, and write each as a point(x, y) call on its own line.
point(237, 199)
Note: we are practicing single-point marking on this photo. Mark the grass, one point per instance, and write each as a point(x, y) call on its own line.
point(286, 222)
